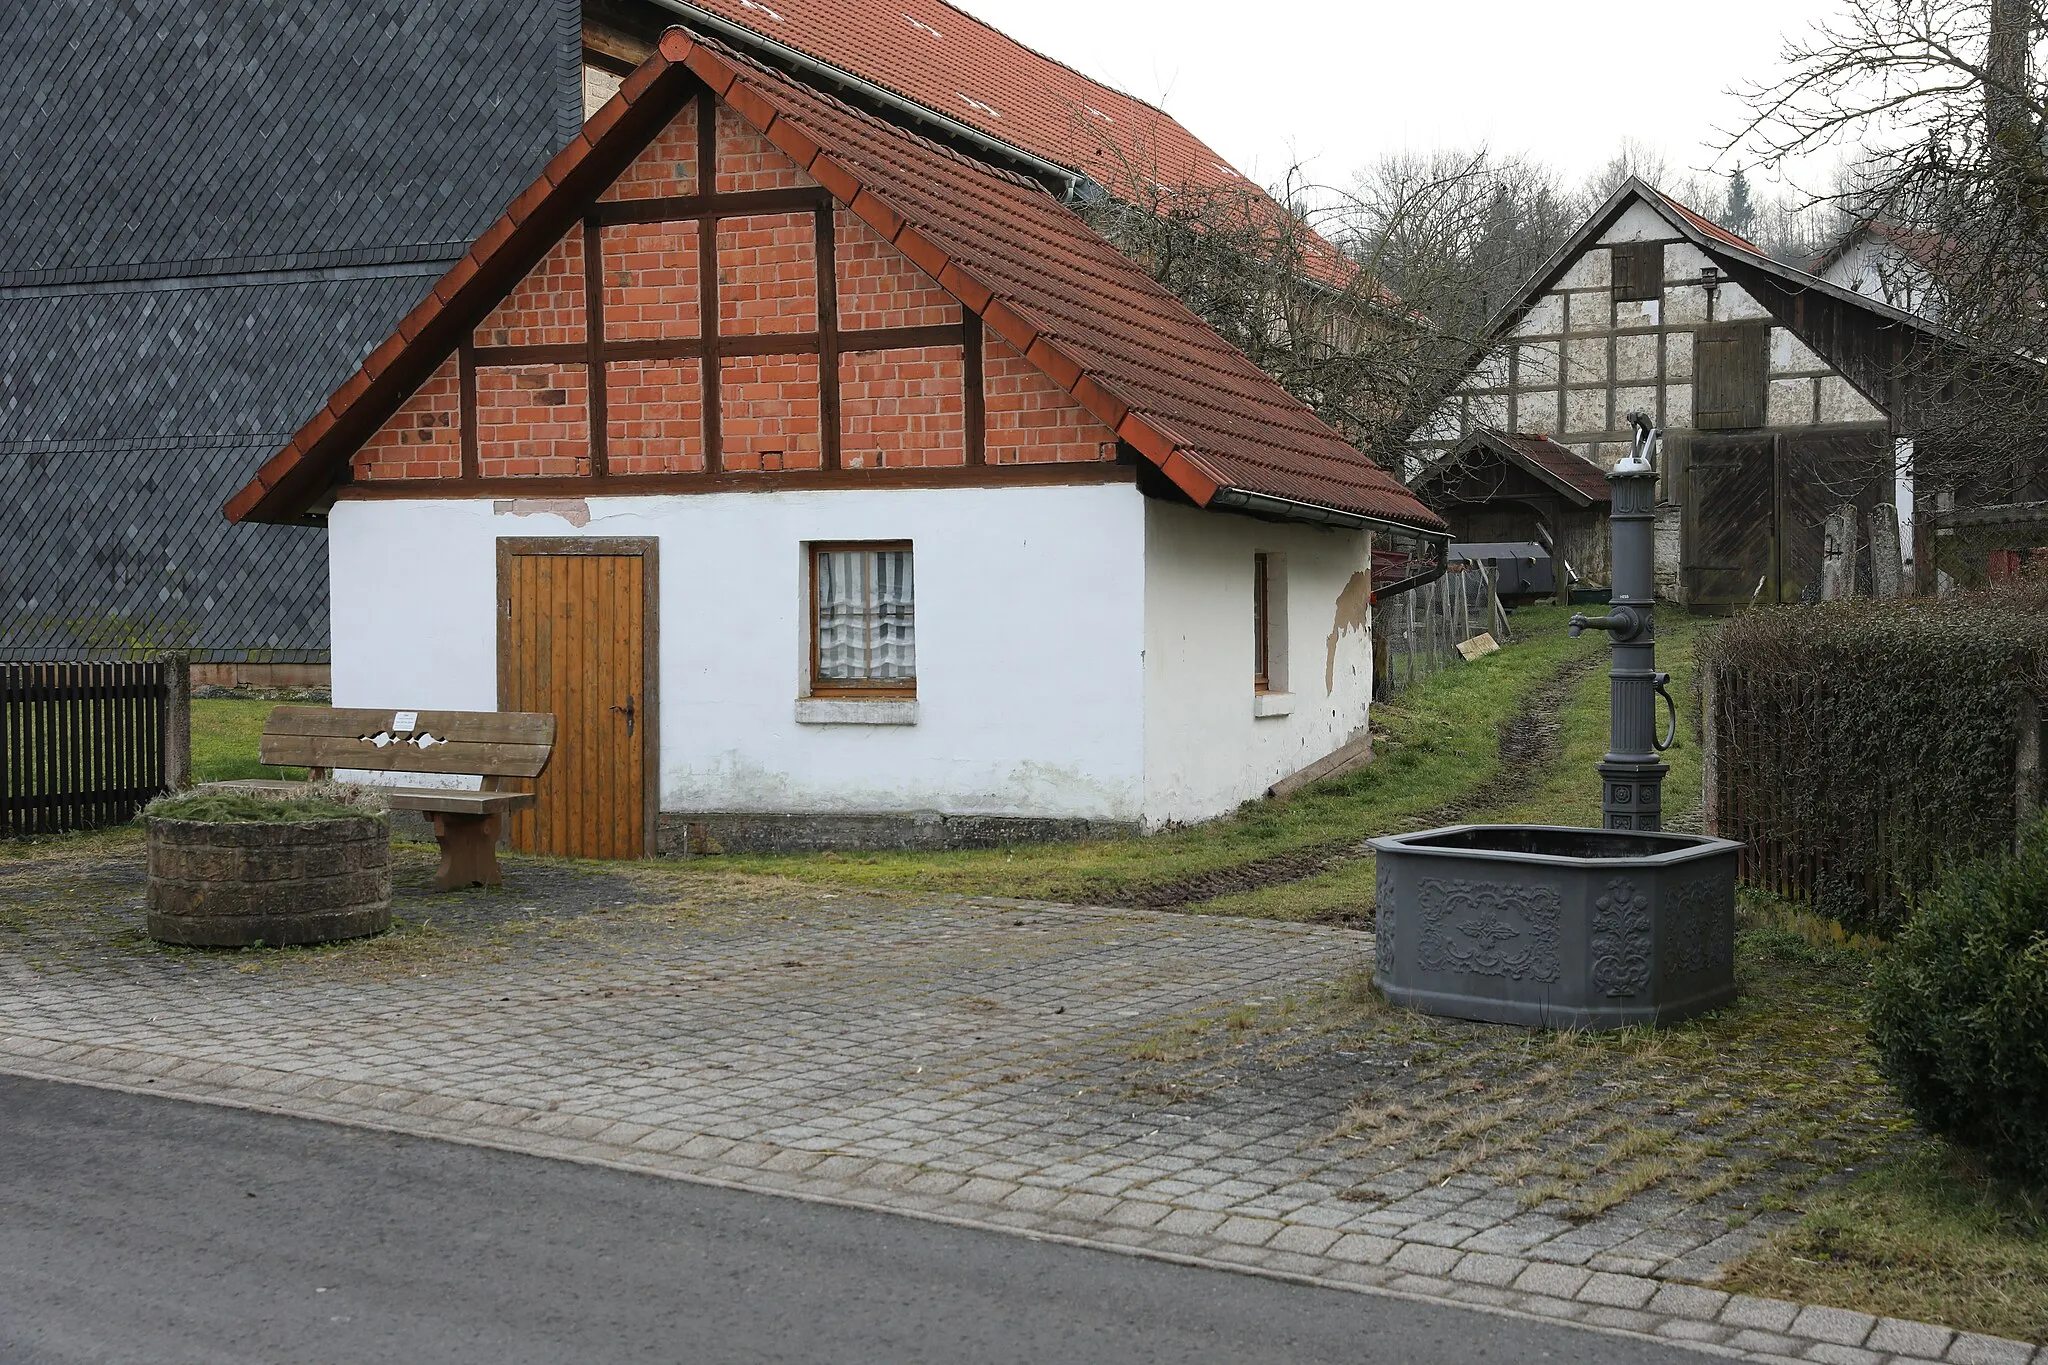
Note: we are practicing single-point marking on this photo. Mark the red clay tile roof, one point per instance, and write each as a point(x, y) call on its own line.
point(1124, 347)
point(951, 62)
point(1708, 225)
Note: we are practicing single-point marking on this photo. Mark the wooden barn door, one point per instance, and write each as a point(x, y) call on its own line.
point(576, 637)
point(1729, 527)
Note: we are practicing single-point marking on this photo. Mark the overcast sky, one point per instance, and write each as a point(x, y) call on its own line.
point(1337, 83)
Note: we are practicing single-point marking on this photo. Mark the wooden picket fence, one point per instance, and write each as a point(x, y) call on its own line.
point(88, 744)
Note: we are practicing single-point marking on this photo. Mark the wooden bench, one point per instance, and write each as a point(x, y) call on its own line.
point(492, 745)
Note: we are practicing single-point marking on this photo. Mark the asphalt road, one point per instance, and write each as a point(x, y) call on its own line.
point(137, 1229)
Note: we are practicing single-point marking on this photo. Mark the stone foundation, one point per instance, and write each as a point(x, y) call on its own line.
point(684, 833)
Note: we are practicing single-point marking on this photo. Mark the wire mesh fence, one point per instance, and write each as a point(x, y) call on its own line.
point(1424, 627)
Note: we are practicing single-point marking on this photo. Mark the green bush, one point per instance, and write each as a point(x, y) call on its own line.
point(1959, 1012)
point(1864, 744)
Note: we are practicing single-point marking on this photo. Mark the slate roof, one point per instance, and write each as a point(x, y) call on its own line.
point(210, 210)
point(1128, 351)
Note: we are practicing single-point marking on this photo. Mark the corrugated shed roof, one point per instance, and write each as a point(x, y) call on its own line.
point(1040, 278)
point(211, 210)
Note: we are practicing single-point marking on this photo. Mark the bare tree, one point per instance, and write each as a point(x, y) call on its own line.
point(1944, 102)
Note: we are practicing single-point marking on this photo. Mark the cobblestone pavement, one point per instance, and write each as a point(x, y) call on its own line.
point(985, 1062)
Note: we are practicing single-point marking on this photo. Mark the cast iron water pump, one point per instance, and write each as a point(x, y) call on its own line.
point(1631, 775)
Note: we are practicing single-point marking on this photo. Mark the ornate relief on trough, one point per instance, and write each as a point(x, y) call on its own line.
point(1492, 928)
point(1621, 939)
point(1695, 938)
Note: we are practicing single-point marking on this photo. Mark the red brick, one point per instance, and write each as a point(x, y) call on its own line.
point(654, 416)
point(667, 166)
point(650, 281)
point(1032, 420)
point(768, 412)
point(747, 161)
point(423, 439)
point(547, 306)
point(518, 434)
point(902, 408)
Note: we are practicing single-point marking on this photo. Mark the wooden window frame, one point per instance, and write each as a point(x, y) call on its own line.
point(1262, 622)
point(1641, 279)
point(834, 690)
point(649, 550)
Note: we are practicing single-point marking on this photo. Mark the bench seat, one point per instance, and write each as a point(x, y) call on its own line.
point(424, 799)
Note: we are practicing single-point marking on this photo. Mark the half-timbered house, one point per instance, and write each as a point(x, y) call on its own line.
point(1776, 390)
point(831, 485)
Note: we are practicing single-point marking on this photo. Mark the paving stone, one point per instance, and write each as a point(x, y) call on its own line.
point(1833, 1353)
point(1619, 1291)
point(1688, 1301)
point(1247, 1231)
point(1625, 1319)
point(1771, 1343)
point(1308, 1241)
point(1768, 1315)
point(1363, 1248)
point(1689, 1329)
point(1901, 1337)
point(1480, 1268)
point(1424, 1260)
point(1971, 1349)
point(1837, 1325)
point(1556, 1281)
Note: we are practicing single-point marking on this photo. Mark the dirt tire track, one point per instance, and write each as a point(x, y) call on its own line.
point(1528, 740)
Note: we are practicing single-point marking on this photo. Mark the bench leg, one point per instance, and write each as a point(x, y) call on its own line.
point(469, 851)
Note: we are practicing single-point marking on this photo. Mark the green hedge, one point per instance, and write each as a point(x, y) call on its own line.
point(1959, 1011)
point(1862, 745)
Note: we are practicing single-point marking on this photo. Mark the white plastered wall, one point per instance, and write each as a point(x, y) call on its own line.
point(1205, 748)
point(1030, 626)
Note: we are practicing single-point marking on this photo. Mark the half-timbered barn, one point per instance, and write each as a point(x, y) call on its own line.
point(833, 486)
point(1776, 390)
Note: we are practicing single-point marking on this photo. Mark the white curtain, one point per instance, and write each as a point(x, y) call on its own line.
point(866, 616)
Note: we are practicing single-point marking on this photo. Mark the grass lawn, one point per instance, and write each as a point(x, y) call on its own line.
point(1924, 1237)
point(225, 734)
point(1437, 747)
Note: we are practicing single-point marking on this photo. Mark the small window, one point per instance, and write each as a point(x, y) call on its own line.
point(1269, 623)
point(1639, 271)
point(1262, 650)
point(863, 620)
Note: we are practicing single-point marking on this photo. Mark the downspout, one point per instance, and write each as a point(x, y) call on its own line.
point(1067, 185)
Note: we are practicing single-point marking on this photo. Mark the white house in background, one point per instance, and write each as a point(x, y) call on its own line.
point(1891, 264)
point(1773, 386)
point(832, 487)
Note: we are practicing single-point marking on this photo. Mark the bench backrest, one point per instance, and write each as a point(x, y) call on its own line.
point(490, 744)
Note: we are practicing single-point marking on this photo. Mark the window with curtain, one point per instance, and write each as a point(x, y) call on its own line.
point(863, 620)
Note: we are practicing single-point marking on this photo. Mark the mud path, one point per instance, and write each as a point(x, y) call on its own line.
point(1528, 741)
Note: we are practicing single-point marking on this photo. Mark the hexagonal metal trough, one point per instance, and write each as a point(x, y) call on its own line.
point(1555, 927)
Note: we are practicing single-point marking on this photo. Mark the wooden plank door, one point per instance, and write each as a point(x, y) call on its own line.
point(576, 638)
point(1818, 472)
point(1729, 532)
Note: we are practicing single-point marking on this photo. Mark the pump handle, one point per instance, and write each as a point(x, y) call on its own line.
point(1671, 731)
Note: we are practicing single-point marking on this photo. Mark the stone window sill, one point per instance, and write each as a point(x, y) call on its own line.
point(1272, 704)
point(856, 711)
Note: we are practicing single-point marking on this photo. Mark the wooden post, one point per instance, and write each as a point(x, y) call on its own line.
point(177, 722)
point(1710, 749)
point(2027, 784)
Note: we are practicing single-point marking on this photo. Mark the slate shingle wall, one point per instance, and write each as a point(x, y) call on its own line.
point(211, 210)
